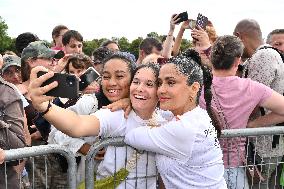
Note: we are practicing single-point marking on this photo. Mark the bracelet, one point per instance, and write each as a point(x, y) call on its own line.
point(47, 109)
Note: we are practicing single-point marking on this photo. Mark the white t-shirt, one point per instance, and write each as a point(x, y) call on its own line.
point(113, 124)
point(188, 152)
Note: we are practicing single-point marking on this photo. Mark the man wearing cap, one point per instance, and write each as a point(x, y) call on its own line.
point(11, 70)
point(39, 54)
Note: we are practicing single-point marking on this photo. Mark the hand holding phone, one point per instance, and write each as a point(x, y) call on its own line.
point(88, 77)
point(181, 17)
point(68, 85)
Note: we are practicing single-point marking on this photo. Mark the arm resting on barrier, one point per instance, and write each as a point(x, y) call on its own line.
point(266, 120)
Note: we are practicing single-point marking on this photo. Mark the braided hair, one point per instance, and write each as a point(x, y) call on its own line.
point(189, 64)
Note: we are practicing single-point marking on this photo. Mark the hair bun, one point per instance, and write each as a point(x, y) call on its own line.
point(193, 54)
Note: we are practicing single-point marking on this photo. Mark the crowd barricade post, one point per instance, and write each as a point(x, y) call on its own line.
point(42, 150)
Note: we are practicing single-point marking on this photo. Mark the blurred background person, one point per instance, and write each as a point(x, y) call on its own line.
point(276, 39)
point(11, 70)
point(111, 45)
point(57, 33)
point(23, 40)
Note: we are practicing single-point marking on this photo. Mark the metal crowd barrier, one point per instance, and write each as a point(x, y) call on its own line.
point(249, 134)
point(34, 151)
point(92, 165)
point(266, 156)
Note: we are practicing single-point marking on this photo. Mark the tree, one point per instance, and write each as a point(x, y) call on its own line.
point(134, 46)
point(153, 34)
point(6, 42)
point(124, 44)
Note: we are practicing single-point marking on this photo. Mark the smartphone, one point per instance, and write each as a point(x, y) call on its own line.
point(68, 85)
point(88, 77)
point(201, 21)
point(162, 61)
point(182, 17)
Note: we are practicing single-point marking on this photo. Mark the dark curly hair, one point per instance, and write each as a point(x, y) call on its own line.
point(225, 50)
point(23, 40)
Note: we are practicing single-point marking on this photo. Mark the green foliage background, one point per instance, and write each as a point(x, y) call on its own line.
point(8, 43)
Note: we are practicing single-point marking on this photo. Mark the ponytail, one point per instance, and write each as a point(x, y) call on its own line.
point(207, 79)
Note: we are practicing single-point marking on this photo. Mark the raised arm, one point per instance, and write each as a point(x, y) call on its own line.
point(167, 49)
point(177, 44)
point(65, 120)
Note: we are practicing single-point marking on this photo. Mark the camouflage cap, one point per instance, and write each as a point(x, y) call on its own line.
point(11, 60)
point(37, 49)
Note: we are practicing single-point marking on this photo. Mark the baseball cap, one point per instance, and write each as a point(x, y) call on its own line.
point(39, 49)
point(11, 60)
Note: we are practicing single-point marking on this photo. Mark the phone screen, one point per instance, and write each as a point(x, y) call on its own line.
point(88, 77)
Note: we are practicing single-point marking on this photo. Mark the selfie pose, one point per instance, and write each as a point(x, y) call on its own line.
point(88, 104)
point(188, 152)
point(105, 123)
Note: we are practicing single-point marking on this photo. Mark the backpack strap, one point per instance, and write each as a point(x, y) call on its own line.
point(270, 47)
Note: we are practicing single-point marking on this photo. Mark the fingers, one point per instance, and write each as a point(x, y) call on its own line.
point(113, 107)
point(100, 155)
point(175, 19)
point(127, 111)
point(2, 156)
point(35, 70)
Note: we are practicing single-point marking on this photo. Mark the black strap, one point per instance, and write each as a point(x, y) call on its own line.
point(270, 47)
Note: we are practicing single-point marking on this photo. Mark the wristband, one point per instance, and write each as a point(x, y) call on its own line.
point(47, 109)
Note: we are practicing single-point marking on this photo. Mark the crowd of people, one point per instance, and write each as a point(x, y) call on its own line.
point(170, 106)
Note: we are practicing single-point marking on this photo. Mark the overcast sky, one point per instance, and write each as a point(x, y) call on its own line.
point(133, 18)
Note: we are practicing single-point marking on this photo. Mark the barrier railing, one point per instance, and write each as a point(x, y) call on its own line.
point(92, 165)
point(237, 136)
point(254, 155)
point(27, 152)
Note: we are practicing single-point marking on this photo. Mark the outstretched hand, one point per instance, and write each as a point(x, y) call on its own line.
point(39, 100)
